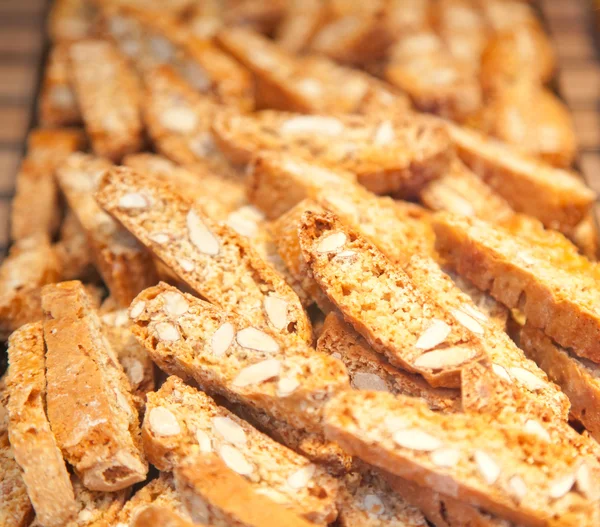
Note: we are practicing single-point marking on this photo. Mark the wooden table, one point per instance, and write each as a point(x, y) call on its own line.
point(572, 25)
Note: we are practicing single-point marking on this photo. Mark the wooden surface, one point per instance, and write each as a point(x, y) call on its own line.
point(571, 24)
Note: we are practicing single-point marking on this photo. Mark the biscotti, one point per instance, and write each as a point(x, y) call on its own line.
point(109, 96)
point(369, 371)
point(57, 102)
point(35, 186)
point(576, 376)
point(34, 446)
point(31, 263)
point(88, 400)
point(558, 198)
point(561, 302)
point(180, 419)
point(15, 507)
point(462, 192)
point(302, 19)
point(206, 486)
point(123, 263)
point(381, 302)
point(70, 20)
point(398, 156)
point(507, 360)
point(210, 257)
point(154, 515)
point(367, 500)
point(512, 474)
point(225, 354)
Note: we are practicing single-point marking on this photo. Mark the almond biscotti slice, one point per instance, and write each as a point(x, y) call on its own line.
point(89, 403)
point(369, 371)
point(33, 444)
point(398, 156)
point(382, 303)
point(501, 469)
point(35, 186)
point(577, 377)
point(181, 420)
point(138, 366)
point(31, 263)
point(367, 500)
point(57, 103)
point(108, 94)
point(154, 515)
point(301, 21)
point(560, 301)
point(460, 191)
point(206, 486)
point(508, 362)
point(558, 198)
point(210, 257)
point(123, 263)
point(227, 355)
point(15, 506)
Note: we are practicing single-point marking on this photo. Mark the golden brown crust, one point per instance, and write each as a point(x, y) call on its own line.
point(89, 403)
point(15, 507)
point(154, 515)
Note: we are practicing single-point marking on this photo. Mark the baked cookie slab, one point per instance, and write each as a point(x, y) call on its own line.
point(33, 444)
point(89, 403)
point(15, 506)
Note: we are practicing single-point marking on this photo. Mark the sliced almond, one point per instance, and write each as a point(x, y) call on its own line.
point(468, 321)
point(175, 303)
point(137, 308)
point(500, 371)
point(528, 379)
point(369, 381)
point(162, 422)
point(415, 439)
point(312, 124)
point(434, 335)
point(133, 200)
point(346, 256)
point(373, 504)
point(517, 488)
point(474, 312)
point(384, 134)
point(257, 373)
point(229, 430)
point(134, 370)
point(255, 339)
point(487, 467)
point(200, 235)
point(222, 339)
point(535, 428)
point(561, 487)
point(301, 478)
point(444, 358)
point(186, 265)
point(235, 460)
point(583, 479)
point(204, 441)
point(167, 332)
point(277, 311)
point(179, 119)
point(331, 242)
point(445, 457)
point(159, 237)
point(287, 386)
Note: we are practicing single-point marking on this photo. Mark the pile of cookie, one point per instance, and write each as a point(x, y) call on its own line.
point(269, 267)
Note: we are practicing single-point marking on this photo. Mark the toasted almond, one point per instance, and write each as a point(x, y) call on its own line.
point(174, 303)
point(159, 237)
point(200, 235)
point(384, 134)
point(186, 265)
point(277, 311)
point(445, 457)
point(528, 379)
point(162, 422)
point(134, 370)
point(500, 371)
point(123, 402)
point(204, 441)
point(535, 428)
point(255, 339)
point(287, 386)
point(517, 488)
point(312, 124)
point(229, 430)
point(133, 200)
point(468, 321)
point(257, 373)
point(415, 439)
point(488, 468)
point(167, 332)
point(373, 504)
point(235, 460)
point(369, 381)
point(137, 308)
point(583, 479)
point(474, 312)
point(222, 339)
point(561, 486)
point(436, 333)
point(444, 358)
point(331, 242)
point(179, 119)
point(301, 478)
